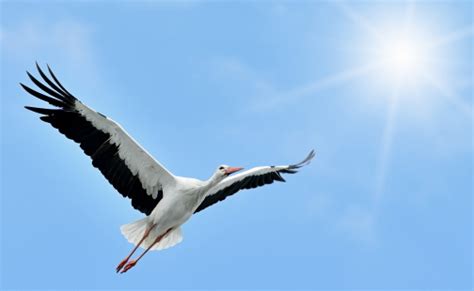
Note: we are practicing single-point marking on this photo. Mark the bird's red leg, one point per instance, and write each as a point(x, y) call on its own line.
point(134, 262)
point(124, 261)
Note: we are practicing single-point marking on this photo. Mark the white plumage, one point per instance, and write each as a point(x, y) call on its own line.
point(134, 231)
point(150, 172)
point(167, 200)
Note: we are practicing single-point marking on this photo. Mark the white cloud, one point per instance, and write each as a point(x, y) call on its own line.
point(67, 45)
point(280, 99)
point(32, 39)
point(266, 96)
point(235, 70)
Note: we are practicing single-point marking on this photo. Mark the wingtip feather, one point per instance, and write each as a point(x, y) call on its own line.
point(24, 87)
point(304, 162)
point(59, 84)
point(44, 111)
point(30, 108)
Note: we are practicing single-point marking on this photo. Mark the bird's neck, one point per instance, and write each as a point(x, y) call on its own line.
point(212, 181)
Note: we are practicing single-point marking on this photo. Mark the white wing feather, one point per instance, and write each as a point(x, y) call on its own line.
point(151, 173)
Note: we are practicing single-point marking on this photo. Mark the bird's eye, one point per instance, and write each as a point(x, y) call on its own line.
point(221, 168)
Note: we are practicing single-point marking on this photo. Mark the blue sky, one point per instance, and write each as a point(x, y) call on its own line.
point(381, 90)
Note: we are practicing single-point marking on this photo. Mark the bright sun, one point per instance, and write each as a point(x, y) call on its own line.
point(402, 57)
point(402, 54)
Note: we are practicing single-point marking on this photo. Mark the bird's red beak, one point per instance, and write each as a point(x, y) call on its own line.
point(231, 170)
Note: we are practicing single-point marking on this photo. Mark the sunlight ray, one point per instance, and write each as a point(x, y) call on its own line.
point(308, 89)
point(386, 147)
point(409, 14)
point(390, 123)
point(334, 79)
point(465, 32)
point(359, 19)
point(448, 94)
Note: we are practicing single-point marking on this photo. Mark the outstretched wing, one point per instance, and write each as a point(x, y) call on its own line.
point(123, 162)
point(250, 179)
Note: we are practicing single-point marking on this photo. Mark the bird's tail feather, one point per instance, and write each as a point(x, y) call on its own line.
point(134, 232)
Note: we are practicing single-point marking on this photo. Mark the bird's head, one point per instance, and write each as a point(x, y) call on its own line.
point(224, 171)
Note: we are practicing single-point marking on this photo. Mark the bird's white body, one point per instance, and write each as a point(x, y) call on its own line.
point(167, 200)
point(173, 210)
point(176, 208)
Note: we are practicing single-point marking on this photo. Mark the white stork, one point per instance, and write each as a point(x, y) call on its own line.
point(167, 200)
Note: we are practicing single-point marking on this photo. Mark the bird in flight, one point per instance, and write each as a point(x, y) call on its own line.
point(167, 200)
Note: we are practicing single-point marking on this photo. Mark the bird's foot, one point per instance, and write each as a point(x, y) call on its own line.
point(120, 266)
point(128, 266)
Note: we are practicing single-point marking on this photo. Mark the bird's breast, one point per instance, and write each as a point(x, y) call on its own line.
point(174, 209)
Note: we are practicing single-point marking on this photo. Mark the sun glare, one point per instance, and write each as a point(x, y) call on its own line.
point(402, 57)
